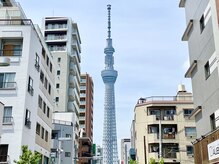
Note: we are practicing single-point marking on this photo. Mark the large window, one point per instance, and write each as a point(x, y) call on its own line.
point(37, 62)
point(12, 47)
point(207, 70)
point(190, 132)
point(189, 150)
point(7, 80)
point(7, 116)
point(27, 119)
point(187, 112)
point(38, 128)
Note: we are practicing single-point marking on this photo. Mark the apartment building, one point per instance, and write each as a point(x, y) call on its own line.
point(163, 129)
point(202, 34)
point(86, 119)
point(125, 148)
point(62, 37)
point(1, 118)
point(26, 85)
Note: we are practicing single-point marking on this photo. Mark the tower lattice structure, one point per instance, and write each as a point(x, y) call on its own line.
point(109, 75)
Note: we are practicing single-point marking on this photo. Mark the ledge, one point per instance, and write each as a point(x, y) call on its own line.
point(188, 30)
point(188, 73)
point(4, 61)
point(195, 112)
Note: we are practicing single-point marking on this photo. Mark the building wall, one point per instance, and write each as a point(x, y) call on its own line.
point(1, 118)
point(125, 147)
point(144, 139)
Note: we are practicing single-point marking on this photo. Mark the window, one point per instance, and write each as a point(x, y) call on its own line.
point(67, 154)
point(30, 86)
point(58, 72)
point(27, 119)
point(207, 70)
point(57, 99)
point(42, 133)
point(213, 122)
point(49, 90)
point(38, 128)
point(41, 76)
point(3, 153)
point(37, 62)
point(43, 53)
point(48, 111)
point(50, 67)
point(190, 132)
point(59, 60)
point(40, 101)
point(46, 137)
point(189, 150)
point(7, 80)
point(57, 85)
point(7, 115)
point(55, 134)
point(202, 23)
point(12, 47)
point(68, 135)
point(187, 112)
point(46, 83)
point(47, 60)
point(44, 107)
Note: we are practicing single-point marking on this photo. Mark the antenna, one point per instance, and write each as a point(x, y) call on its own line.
point(109, 22)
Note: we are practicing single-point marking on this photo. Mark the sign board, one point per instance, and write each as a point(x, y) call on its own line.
point(213, 150)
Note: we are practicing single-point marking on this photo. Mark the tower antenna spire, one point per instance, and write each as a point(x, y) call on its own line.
point(109, 20)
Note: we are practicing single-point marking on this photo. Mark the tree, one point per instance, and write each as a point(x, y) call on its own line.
point(152, 161)
point(28, 157)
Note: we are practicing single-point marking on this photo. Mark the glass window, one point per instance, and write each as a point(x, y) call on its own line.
point(58, 72)
point(187, 112)
point(27, 118)
point(41, 76)
point(7, 80)
point(37, 62)
point(59, 60)
point(7, 115)
point(57, 99)
point(67, 154)
point(49, 89)
point(189, 150)
point(40, 101)
point(38, 128)
point(42, 133)
point(44, 107)
point(207, 70)
point(50, 67)
point(46, 83)
point(47, 60)
point(46, 137)
point(190, 131)
point(30, 86)
point(57, 85)
point(48, 111)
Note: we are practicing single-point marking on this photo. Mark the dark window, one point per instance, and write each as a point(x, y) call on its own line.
point(47, 60)
point(59, 59)
point(67, 154)
point(3, 153)
point(44, 107)
point(48, 110)
point(50, 67)
point(46, 83)
point(40, 101)
point(30, 86)
point(57, 99)
point(37, 62)
point(187, 112)
point(57, 85)
point(189, 150)
point(49, 90)
point(55, 134)
point(58, 72)
point(212, 121)
point(207, 70)
point(41, 76)
point(43, 53)
point(27, 119)
point(38, 128)
point(202, 23)
point(42, 133)
point(68, 135)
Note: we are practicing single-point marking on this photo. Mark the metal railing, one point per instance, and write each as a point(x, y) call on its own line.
point(164, 98)
point(16, 22)
point(56, 26)
point(7, 85)
point(10, 52)
point(8, 120)
point(56, 37)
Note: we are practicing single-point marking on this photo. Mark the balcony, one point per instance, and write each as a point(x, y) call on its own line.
point(82, 95)
point(82, 102)
point(56, 27)
point(73, 70)
point(82, 110)
point(71, 94)
point(56, 38)
point(57, 48)
point(81, 118)
point(4, 159)
point(8, 120)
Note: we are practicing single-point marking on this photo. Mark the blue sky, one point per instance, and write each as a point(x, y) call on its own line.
point(150, 57)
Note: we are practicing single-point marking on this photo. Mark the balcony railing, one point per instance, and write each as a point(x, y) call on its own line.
point(4, 159)
point(169, 155)
point(56, 37)
point(56, 26)
point(57, 48)
point(168, 136)
point(10, 52)
point(8, 120)
point(7, 85)
point(16, 22)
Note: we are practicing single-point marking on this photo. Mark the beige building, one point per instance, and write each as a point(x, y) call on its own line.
point(162, 128)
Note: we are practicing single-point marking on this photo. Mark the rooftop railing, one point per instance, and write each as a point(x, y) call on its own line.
point(165, 98)
point(16, 22)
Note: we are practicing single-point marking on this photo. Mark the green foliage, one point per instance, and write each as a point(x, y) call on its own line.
point(152, 161)
point(133, 161)
point(28, 157)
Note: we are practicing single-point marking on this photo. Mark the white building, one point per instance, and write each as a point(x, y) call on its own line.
point(26, 85)
point(63, 40)
point(125, 147)
point(1, 118)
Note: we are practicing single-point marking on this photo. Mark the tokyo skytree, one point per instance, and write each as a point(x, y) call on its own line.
point(109, 75)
